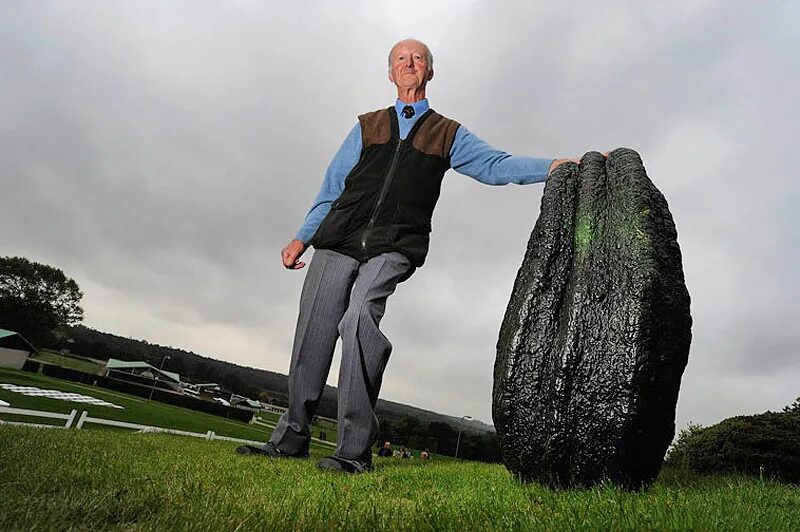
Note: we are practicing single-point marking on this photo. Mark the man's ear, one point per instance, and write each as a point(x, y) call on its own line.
point(430, 74)
point(391, 79)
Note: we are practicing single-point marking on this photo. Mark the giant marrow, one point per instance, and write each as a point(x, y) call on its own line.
point(596, 334)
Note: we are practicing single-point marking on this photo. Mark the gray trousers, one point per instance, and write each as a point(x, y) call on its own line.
point(341, 297)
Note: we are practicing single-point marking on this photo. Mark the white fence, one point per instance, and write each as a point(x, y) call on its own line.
point(37, 413)
point(275, 409)
point(84, 419)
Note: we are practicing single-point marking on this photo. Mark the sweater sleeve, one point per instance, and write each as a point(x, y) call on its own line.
point(333, 183)
point(472, 156)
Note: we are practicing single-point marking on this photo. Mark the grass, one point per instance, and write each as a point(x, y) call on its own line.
point(70, 361)
point(98, 480)
point(136, 409)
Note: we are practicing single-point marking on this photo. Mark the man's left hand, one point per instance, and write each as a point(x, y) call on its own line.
point(290, 255)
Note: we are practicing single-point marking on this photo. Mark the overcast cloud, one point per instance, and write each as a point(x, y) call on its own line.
point(161, 154)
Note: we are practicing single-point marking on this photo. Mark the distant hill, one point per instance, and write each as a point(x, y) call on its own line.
point(399, 422)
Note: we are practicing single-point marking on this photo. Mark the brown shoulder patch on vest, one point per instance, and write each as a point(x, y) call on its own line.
point(435, 136)
point(376, 127)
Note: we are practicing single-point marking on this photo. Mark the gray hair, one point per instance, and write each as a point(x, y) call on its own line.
point(428, 54)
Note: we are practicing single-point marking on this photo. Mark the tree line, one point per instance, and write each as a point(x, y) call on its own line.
point(765, 445)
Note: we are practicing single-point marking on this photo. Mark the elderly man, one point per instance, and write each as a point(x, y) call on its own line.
point(370, 226)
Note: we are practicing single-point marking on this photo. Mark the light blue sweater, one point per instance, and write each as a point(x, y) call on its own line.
point(469, 155)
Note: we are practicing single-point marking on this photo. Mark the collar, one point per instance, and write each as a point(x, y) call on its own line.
point(419, 108)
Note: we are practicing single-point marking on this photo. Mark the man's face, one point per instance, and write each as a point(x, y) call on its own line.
point(409, 68)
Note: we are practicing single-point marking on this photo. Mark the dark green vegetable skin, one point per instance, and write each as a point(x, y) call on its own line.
point(596, 335)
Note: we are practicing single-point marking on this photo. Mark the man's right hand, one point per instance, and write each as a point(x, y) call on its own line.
point(291, 253)
point(558, 162)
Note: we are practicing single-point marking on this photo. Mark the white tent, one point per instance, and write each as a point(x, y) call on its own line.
point(14, 349)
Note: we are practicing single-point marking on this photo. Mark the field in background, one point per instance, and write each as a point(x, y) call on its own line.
point(92, 480)
point(86, 365)
point(136, 409)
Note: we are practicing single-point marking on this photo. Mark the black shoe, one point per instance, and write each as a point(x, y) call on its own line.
point(269, 450)
point(346, 465)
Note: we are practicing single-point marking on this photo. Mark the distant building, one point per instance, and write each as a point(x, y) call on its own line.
point(141, 372)
point(14, 349)
point(240, 400)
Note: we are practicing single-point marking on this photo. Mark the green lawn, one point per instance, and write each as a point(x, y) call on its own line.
point(100, 480)
point(136, 409)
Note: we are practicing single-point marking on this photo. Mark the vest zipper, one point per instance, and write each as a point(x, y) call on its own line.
point(384, 189)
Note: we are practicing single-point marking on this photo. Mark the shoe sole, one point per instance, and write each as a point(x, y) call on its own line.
point(252, 450)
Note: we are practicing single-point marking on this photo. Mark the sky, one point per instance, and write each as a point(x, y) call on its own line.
point(162, 153)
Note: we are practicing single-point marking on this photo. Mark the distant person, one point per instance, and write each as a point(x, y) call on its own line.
point(386, 450)
point(424, 455)
point(370, 226)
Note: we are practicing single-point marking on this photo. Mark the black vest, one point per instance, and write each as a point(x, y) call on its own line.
point(390, 194)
